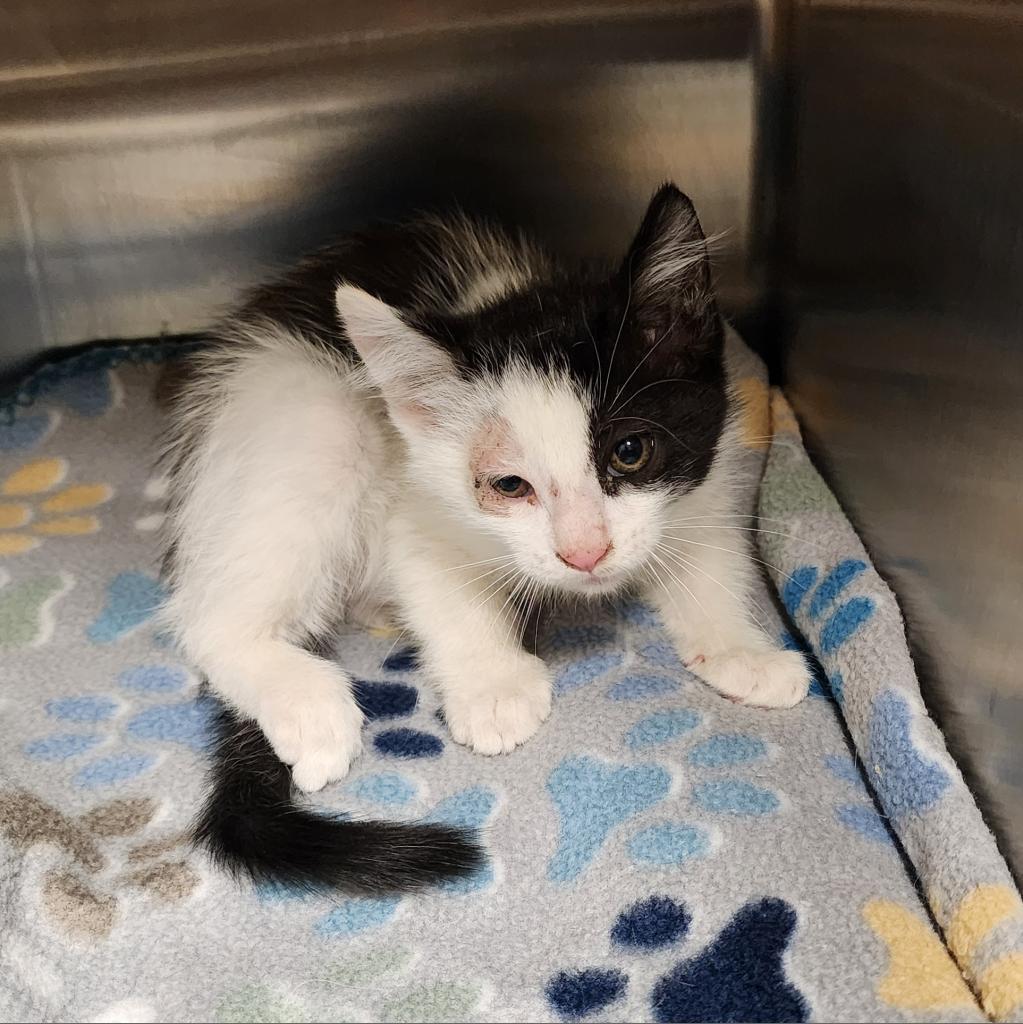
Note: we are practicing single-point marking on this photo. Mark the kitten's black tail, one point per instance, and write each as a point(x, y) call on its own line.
point(251, 826)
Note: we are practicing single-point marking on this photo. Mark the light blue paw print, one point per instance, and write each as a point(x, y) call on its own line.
point(861, 817)
point(663, 654)
point(97, 717)
point(837, 625)
point(579, 673)
point(592, 798)
point(109, 771)
point(662, 727)
point(356, 916)
point(908, 782)
point(669, 844)
point(24, 432)
point(866, 821)
point(89, 393)
point(471, 809)
point(185, 722)
point(735, 797)
point(385, 789)
point(727, 749)
point(132, 598)
point(641, 685)
point(82, 709)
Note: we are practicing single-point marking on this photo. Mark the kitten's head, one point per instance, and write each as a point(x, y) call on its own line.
point(566, 417)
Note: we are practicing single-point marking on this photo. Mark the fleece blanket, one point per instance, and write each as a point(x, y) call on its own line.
point(656, 853)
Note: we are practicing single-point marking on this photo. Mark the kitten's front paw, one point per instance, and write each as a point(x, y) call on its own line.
point(317, 731)
point(763, 679)
point(498, 717)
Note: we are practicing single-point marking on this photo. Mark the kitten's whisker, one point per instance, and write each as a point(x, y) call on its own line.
point(596, 351)
point(732, 551)
point(618, 337)
point(745, 529)
point(654, 423)
point(685, 587)
point(483, 561)
point(476, 579)
point(649, 352)
point(696, 567)
point(730, 515)
point(492, 588)
point(645, 387)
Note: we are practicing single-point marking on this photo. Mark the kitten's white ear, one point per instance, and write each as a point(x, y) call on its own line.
point(415, 375)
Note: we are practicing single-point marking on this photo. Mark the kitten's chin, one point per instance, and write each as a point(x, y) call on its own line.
point(589, 585)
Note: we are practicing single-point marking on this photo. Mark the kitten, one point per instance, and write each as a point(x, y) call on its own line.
point(442, 418)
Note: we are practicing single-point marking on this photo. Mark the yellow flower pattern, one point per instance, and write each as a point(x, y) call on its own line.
point(26, 522)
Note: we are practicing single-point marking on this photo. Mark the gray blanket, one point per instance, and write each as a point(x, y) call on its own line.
point(656, 852)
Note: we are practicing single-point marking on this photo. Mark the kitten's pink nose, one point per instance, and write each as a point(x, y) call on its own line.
point(587, 558)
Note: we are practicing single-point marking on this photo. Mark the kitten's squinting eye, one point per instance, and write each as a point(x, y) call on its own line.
point(629, 455)
point(512, 486)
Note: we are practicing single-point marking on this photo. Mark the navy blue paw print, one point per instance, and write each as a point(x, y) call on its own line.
point(739, 976)
point(577, 994)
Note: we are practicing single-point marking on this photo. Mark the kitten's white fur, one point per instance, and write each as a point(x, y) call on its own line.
point(319, 488)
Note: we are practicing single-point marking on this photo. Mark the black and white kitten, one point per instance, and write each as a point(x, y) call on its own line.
point(444, 420)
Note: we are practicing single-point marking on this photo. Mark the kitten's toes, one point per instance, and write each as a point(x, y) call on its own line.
point(764, 679)
point(504, 714)
point(319, 735)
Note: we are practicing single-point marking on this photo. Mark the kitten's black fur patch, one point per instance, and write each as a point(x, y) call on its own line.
point(251, 825)
point(645, 343)
point(644, 340)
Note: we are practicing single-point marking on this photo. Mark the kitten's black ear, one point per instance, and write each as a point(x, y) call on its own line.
point(417, 378)
point(667, 267)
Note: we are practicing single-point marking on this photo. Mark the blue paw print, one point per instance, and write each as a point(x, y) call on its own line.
point(182, 722)
point(405, 660)
point(593, 797)
point(408, 744)
point(355, 916)
point(26, 432)
point(739, 976)
point(387, 789)
point(385, 700)
point(577, 994)
point(132, 599)
point(661, 727)
point(669, 844)
point(736, 797)
point(89, 393)
point(861, 818)
point(840, 624)
point(596, 651)
point(908, 782)
point(651, 924)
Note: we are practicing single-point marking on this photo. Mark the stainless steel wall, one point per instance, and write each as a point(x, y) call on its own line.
point(160, 153)
point(904, 265)
point(864, 155)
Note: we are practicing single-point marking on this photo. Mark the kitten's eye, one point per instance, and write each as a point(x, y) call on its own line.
point(512, 486)
point(629, 454)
